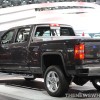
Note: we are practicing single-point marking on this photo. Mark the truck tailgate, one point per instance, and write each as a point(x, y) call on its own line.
point(91, 62)
point(92, 49)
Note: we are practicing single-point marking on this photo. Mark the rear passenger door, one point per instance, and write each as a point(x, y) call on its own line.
point(40, 33)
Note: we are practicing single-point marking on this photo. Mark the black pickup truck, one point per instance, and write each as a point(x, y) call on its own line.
point(53, 52)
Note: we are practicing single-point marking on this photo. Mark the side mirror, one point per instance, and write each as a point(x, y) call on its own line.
point(1, 34)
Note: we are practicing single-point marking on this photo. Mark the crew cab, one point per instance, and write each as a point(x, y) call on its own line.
point(53, 52)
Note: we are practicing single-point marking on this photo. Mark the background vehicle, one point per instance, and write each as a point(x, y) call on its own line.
point(88, 33)
point(96, 36)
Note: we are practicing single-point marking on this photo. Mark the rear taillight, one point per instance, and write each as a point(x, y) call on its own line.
point(79, 52)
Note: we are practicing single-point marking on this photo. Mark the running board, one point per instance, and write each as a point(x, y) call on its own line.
point(17, 75)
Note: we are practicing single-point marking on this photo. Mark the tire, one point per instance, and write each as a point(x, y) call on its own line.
point(96, 83)
point(55, 82)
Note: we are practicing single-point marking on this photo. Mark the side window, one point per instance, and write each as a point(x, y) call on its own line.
point(8, 37)
point(23, 34)
point(66, 31)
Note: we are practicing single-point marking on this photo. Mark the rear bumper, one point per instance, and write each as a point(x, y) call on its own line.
point(88, 70)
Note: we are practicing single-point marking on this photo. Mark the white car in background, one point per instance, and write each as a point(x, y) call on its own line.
point(96, 36)
point(93, 35)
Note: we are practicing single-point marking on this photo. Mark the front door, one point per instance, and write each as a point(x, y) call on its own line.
point(5, 47)
point(19, 48)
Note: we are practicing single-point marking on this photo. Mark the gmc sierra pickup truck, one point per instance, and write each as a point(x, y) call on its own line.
point(53, 52)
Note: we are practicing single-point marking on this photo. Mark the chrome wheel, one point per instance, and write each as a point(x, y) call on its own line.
point(52, 81)
point(55, 82)
point(97, 81)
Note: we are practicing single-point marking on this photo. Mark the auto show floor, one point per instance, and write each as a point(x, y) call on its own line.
point(16, 88)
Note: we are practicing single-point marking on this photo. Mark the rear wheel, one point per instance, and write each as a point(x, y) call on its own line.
point(96, 83)
point(55, 82)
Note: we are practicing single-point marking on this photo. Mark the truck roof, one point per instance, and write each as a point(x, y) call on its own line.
point(42, 24)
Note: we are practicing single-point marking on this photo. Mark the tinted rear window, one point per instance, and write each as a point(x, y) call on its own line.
point(62, 31)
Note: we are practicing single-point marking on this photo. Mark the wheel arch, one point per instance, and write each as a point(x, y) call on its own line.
point(48, 59)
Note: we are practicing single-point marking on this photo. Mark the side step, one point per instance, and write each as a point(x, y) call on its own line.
point(17, 75)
